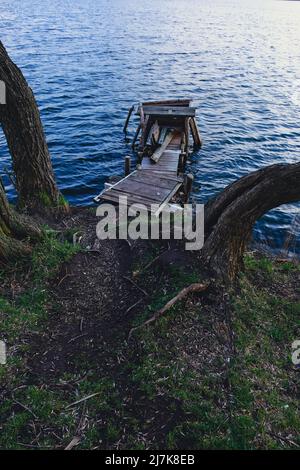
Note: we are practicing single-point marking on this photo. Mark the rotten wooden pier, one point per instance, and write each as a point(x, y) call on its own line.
point(164, 131)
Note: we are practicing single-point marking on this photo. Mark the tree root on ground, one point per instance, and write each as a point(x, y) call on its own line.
point(196, 287)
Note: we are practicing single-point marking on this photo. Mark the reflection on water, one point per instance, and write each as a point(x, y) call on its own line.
point(89, 60)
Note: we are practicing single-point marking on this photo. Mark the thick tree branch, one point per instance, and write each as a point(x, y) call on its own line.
point(230, 217)
point(21, 124)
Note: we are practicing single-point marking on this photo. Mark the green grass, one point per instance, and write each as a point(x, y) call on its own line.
point(262, 263)
point(24, 315)
point(44, 407)
point(262, 374)
point(262, 411)
point(27, 311)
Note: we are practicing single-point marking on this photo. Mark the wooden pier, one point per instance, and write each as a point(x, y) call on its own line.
point(163, 149)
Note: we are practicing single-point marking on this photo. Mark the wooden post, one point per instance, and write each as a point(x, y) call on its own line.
point(127, 119)
point(127, 165)
point(187, 135)
point(188, 183)
point(142, 122)
point(181, 162)
point(142, 114)
point(195, 133)
point(182, 146)
point(136, 135)
point(140, 157)
point(145, 128)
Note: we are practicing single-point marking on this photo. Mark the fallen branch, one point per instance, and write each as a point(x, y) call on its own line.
point(196, 287)
point(82, 399)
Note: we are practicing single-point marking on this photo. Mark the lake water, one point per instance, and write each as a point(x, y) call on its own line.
point(87, 61)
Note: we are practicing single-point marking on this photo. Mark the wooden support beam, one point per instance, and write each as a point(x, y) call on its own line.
point(188, 183)
point(169, 111)
point(155, 130)
point(145, 129)
point(127, 165)
point(187, 138)
point(136, 135)
point(181, 162)
point(140, 156)
point(182, 145)
point(127, 119)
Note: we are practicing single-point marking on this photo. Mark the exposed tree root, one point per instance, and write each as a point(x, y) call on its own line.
point(196, 287)
point(230, 217)
point(15, 230)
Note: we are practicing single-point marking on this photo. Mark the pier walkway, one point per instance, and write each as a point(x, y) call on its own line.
point(164, 147)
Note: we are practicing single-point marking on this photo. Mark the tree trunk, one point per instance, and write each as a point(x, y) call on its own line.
point(230, 217)
point(15, 230)
point(21, 123)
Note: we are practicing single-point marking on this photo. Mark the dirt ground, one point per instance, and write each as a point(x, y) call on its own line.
point(96, 296)
point(173, 385)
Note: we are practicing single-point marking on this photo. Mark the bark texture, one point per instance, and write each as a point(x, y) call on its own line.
point(15, 231)
point(21, 123)
point(229, 218)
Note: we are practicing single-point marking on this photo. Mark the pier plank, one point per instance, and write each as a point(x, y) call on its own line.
point(158, 153)
point(157, 181)
point(138, 187)
point(169, 111)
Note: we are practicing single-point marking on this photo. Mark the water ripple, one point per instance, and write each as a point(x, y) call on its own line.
point(88, 61)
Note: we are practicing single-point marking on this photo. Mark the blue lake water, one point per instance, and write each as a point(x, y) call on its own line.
point(87, 61)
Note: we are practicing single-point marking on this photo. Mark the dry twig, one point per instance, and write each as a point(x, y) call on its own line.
point(132, 306)
point(135, 285)
point(82, 399)
point(74, 442)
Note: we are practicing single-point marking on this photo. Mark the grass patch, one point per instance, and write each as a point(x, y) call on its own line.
point(261, 263)
point(25, 313)
point(22, 316)
point(27, 310)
